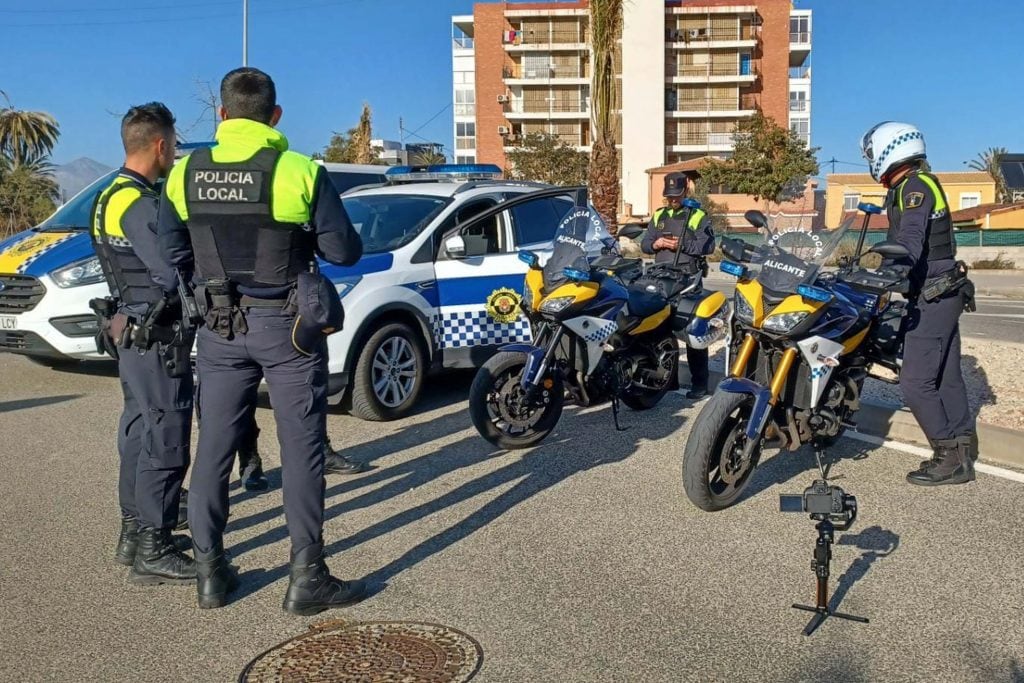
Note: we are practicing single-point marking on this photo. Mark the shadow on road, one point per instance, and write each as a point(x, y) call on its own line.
point(979, 391)
point(23, 404)
point(876, 543)
point(94, 368)
point(532, 472)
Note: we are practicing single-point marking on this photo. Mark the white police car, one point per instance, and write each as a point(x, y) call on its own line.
point(440, 280)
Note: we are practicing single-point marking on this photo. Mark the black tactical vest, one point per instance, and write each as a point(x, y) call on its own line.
point(127, 276)
point(941, 242)
point(234, 234)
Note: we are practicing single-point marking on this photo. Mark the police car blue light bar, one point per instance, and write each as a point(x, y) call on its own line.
point(813, 293)
point(869, 208)
point(444, 172)
point(733, 268)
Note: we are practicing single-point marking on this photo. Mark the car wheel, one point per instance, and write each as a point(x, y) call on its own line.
point(389, 374)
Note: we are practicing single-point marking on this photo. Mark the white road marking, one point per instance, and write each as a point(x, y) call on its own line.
point(924, 453)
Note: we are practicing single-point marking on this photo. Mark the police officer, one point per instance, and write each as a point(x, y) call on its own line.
point(156, 423)
point(669, 224)
point(930, 379)
point(247, 217)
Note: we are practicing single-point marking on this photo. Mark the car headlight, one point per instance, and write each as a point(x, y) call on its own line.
point(346, 284)
point(557, 305)
point(783, 322)
point(85, 272)
point(744, 311)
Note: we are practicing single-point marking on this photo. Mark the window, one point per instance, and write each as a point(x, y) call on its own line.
point(387, 222)
point(465, 160)
point(465, 130)
point(802, 128)
point(798, 100)
point(465, 101)
point(969, 200)
point(800, 29)
point(344, 181)
point(535, 221)
point(850, 201)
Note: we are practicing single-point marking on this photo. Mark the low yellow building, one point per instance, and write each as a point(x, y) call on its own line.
point(964, 190)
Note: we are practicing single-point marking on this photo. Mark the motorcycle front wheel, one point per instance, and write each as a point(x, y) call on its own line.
point(714, 475)
point(501, 410)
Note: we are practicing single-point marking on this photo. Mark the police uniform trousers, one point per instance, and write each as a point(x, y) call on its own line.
point(230, 371)
point(153, 438)
point(931, 379)
point(697, 364)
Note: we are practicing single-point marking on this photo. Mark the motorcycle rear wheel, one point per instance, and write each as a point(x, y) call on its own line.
point(642, 398)
point(492, 400)
point(709, 482)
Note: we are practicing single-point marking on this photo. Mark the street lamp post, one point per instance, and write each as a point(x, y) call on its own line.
point(245, 32)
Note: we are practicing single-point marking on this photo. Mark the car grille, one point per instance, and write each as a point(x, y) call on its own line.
point(19, 293)
point(26, 342)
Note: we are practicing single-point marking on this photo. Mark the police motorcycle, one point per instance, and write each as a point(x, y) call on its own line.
point(802, 341)
point(595, 339)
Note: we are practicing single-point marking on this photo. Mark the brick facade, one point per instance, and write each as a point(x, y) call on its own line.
point(488, 24)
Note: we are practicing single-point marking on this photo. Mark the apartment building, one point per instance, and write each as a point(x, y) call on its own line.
point(687, 71)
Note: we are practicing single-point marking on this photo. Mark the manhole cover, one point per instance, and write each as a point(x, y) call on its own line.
point(370, 652)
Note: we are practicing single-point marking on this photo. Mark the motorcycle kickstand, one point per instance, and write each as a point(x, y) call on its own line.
point(615, 414)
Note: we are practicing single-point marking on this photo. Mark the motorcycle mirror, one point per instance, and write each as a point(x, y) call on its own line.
point(630, 231)
point(756, 218)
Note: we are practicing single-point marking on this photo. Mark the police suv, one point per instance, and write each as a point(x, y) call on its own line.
point(438, 286)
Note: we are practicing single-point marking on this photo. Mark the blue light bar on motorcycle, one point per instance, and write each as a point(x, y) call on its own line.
point(691, 203)
point(869, 208)
point(529, 258)
point(813, 293)
point(731, 268)
point(577, 275)
point(443, 172)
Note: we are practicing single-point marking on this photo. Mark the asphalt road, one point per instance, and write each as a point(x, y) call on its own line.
point(580, 560)
point(999, 317)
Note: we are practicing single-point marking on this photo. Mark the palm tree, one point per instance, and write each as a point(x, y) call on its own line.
point(426, 158)
point(25, 135)
point(605, 19)
point(988, 161)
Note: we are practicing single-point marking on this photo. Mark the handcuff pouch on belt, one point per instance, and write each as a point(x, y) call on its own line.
point(219, 304)
point(955, 280)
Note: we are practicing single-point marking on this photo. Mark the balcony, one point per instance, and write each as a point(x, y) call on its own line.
point(464, 44)
point(799, 105)
point(704, 39)
point(575, 74)
point(799, 72)
point(799, 46)
point(557, 39)
point(701, 73)
point(700, 142)
point(518, 109)
point(726, 107)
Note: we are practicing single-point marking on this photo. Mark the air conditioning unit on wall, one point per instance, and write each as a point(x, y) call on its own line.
point(502, 99)
point(503, 130)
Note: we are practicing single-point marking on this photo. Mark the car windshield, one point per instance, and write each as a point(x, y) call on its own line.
point(77, 213)
point(386, 222)
point(789, 257)
point(581, 232)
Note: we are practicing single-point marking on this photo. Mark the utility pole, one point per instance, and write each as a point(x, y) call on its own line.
point(245, 32)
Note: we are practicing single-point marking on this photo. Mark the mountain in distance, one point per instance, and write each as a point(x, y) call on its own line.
point(74, 176)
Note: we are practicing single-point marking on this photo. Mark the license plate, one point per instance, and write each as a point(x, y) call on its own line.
point(8, 322)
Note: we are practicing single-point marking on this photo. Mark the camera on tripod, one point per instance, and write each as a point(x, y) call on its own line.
point(822, 501)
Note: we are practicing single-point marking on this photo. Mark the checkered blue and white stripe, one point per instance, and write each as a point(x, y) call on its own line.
point(601, 333)
point(901, 139)
point(42, 252)
point(464, 327)
point(819, 372)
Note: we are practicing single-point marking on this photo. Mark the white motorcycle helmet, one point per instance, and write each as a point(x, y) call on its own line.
point(890, 144)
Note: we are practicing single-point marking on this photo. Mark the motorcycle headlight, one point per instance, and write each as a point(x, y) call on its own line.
point(744, 311)
point(346, 284)
point(85, 272)
point(783, 322)
point(557, 305)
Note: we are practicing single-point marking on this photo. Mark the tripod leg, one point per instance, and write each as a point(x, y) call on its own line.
point(849, 617)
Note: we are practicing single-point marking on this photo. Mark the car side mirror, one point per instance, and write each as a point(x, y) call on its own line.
point(630, 231)
point(455, 246)
point(756, 218)
point(889, 249)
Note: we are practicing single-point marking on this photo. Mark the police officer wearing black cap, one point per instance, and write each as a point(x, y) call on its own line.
point(156, 422)
point(931, 378)
point(672, 223)
point(247, 217)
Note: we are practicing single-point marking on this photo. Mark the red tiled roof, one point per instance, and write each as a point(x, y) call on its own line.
point(692, 165)
point(977, 212)
point(945, 177)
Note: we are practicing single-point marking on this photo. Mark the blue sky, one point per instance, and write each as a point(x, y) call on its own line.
point(950, 66)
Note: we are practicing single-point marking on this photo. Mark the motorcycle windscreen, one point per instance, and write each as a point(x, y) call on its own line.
point(581, 231)
point(784, 272)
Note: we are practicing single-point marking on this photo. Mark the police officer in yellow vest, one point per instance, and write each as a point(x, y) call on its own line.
point(672, 223)
point(931, 379)
point(247, 218)
point(156, 423)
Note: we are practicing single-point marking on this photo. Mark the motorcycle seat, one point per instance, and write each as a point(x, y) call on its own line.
point(643, 304)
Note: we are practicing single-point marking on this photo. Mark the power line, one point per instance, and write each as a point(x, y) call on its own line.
point(431, 119)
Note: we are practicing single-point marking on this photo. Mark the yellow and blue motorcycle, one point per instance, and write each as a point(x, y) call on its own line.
point(595, 337)
point(802, 341)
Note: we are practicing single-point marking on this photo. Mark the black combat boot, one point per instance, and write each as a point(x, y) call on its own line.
point(158, 561)
point(215, 577)
point(953, 465)
point(250, 470)
point(969, 440)
point(312, 589)
point(128, 541)
point(335, 462)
